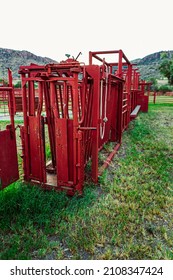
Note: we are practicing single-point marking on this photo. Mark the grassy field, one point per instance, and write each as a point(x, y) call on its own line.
point(128, 215)
point(162, 99)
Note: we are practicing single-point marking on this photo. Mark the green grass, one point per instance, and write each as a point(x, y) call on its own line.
point(162, 100)
point(127, 216)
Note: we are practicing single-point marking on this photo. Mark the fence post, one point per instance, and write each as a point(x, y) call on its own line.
point(154, 99)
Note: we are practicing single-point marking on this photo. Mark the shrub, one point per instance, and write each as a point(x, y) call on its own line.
point(18, 84)
point(165, 88)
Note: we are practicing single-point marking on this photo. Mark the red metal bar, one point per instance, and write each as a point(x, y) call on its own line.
point(109, 159)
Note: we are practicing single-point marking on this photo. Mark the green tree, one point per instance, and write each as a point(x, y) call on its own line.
point(154, 85)
point(18, 84)
point(166, 68)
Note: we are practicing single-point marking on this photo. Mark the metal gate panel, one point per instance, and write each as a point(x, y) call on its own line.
point(70, 149)
point(61, 149)
point(8, 159)
point(64, 150)
point(114, 116)
point(143, 101)
point(36, 149)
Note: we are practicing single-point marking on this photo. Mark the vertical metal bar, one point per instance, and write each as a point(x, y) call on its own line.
point(129, 75)
point(90, 58)
point(61, 100)
point(88, 123)
point(10, 82)
point(67, 100)
point(94, 72)
point(120, 64)
point(11, 109)
point(31, 98)
point(40, 100)
point(154, 99)
point(53, 101)
point(71, 98)
point(65, 109)
point(50, 122)
point(120, 116)
point(25, 130)
point(79, 104)
point(41, 129)
point(56, 91)
point(75, 126)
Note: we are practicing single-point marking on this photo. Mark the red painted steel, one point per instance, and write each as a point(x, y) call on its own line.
point(83, 112)
point(74, 110)
point(143, 99)
point(8, 158)
point(8, 151)
point(36, 146)
point(121, 68)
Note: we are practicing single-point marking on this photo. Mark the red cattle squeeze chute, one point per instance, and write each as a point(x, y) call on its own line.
point(79, 109)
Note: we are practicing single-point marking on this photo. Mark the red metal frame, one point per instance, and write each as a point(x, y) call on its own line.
point(81, 108)
point(83, 112)
point(123, 71)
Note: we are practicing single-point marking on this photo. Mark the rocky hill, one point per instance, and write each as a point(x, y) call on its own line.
point(148, 65)
point(13, 59)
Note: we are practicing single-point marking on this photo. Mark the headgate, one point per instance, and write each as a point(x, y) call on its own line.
point(82, 112)
point(70, 112)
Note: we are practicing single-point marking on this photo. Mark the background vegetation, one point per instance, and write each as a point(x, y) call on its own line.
point(149, 65)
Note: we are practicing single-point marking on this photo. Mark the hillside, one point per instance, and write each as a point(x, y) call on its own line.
point(148, 65)
point(14, 59)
